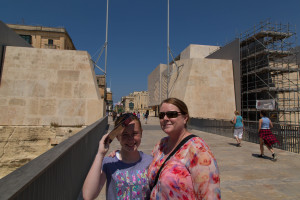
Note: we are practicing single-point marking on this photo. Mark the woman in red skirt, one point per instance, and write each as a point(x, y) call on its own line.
point(265, 135)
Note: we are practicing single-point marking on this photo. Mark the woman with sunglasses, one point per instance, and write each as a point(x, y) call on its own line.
point(192, 171)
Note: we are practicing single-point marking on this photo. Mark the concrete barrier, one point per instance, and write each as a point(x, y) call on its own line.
point(60, 172)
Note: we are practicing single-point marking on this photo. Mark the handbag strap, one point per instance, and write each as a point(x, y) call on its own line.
point(171, 154)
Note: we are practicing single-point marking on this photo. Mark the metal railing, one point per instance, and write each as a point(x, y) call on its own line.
point(51, 46)
point(60, 172)
point(287, 135)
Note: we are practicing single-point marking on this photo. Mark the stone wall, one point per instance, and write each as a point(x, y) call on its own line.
point(19, 145)
point(205, 85)
point(44, 86)
point(155, 85)
point(197, 51)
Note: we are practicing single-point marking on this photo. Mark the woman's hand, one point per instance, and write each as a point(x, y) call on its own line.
point(103, 146)
point(113, 153)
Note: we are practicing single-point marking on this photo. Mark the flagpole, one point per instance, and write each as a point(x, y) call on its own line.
point(168, 51)
point(106, 45)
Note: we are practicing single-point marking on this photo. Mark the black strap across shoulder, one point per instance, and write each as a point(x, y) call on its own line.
point(171, 154)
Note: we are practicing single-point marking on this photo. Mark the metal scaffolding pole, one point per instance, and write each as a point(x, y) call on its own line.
point(270, 72)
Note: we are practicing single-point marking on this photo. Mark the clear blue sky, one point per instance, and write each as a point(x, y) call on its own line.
point(137, 36)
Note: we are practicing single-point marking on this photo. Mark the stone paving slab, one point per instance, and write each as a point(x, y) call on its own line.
point(243, 175)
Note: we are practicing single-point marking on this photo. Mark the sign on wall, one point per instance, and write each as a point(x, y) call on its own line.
point(268, 104)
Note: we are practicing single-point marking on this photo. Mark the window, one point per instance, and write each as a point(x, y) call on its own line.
point(50, 41)
point(27, 38)
point(131, 106)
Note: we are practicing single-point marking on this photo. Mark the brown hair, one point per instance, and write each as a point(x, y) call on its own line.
point(179, 104)
point(263, 113)
point(133, 117)
point(236, 112)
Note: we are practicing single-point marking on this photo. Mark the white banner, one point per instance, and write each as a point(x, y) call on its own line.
point(268, 104)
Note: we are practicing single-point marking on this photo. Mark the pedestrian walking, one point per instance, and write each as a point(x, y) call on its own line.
point(146, 116)
point(138, 115)
point(265, 135)
point(239, 128)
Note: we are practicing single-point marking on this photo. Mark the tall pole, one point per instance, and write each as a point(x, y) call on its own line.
point(168, 51)
point(106, 36)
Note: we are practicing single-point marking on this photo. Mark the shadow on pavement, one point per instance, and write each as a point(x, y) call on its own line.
point(233, 144)
point(265, 157)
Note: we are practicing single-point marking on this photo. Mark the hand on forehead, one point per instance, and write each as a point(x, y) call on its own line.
point(130, 127)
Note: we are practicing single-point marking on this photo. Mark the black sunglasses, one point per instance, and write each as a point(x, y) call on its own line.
point(170, 114)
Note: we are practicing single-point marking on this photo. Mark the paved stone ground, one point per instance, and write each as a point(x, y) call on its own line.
point(243, 175)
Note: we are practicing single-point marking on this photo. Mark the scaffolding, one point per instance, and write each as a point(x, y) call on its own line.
point(269, 71)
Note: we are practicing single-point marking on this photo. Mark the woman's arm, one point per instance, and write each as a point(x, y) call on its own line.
point(234, 120)
point(96, 178)
point(271, 124)
point(204, 172)
point(259, 124)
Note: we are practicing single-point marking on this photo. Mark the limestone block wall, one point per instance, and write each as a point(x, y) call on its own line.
point(156, 95)
point(44, 86)
point(206, 86)
point(197, 51)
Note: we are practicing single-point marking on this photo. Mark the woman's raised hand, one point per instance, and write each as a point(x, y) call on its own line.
point(103, 145)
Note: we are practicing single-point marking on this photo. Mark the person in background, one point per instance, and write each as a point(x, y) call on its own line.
point(114, 114)
point(265, 135)
point(239, 128)
point(138, 115)
point(146, 116)
point(192, 171)
point(126, 173)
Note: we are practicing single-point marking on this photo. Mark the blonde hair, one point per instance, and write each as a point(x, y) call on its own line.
point(236, 112)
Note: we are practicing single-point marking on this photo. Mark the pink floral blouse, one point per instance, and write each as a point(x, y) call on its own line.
point(192, 173)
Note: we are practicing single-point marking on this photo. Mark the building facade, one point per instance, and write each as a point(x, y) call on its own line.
point(109, 101)
point(128, 104)
point(44, 37)
point(136, 102)
point(205, 85)
point(105, 93)
point(270, 73)
point(258, 71)
point(46, 95)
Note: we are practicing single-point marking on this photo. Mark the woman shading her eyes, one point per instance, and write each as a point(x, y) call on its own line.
point(126, 173)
